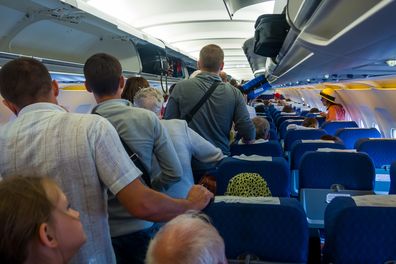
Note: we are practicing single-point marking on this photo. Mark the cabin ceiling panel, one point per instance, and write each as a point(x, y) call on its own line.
point(173, 33)
point(194, 46)
point(188, 25)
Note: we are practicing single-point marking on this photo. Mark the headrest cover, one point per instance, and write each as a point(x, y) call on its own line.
point(375, 200)
point(253, 158)
point(248, 200)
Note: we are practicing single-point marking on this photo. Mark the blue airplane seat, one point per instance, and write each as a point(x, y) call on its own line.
point(360, 229)
point(274, 230)
point(392, 189)
point(283, 126)
point(322, 169)
point(273, 135)
point(300, 147)
point(381, 150)
point(274, 170)
point(351, 135)
point(271, 148)
point(296, 134)
point(331, 127)
point(281, 118)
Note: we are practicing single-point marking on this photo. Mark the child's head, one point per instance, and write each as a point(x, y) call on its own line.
point(262, 127)
point(36, 220)
point(310, 122)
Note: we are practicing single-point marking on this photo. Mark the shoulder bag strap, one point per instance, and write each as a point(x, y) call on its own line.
point(135, 159)
point(190, 115)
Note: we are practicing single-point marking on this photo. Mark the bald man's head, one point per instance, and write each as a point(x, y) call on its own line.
point(187, 239)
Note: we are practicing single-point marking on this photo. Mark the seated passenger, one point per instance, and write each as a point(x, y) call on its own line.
point(308, 123)
point(132, 86)
point(186, 141)
point(248, 185)
point(288, 110)
point(332, 138)
point(314, 110)
point(37, 224)
point(335, 111)
point(262, 130)
point(187, 239)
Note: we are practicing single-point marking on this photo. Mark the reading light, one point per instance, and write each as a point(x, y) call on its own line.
point(391, 63)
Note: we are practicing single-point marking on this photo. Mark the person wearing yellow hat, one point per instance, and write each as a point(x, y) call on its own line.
point(334, 111)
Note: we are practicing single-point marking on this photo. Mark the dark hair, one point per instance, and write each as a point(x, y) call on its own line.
point(24, 206)
point(234, 82)
point(211, 57)
point(262, 127)
point(287, 109)
point(132, 86)
point(24, 81)
point(310, 122)
point(102, 73)
point(314, 110)
point(333, 138)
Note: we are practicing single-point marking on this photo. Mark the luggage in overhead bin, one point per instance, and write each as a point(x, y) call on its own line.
point(271, 31)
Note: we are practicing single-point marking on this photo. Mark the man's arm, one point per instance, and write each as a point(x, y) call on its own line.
point(150, 205)
point(202, 149)
point(121, 176)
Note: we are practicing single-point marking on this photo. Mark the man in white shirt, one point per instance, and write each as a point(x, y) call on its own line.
point(82, 153)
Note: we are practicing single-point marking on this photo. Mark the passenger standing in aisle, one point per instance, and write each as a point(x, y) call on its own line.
point(214, 119)
point(186, 141)
point(142, 131)
point(334, 111)
point(82, 153)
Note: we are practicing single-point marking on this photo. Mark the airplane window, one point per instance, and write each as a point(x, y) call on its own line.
point(361, 123)
point(393, 132)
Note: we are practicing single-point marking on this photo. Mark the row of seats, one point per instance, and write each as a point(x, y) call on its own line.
point(317, 169)
point(357, 229)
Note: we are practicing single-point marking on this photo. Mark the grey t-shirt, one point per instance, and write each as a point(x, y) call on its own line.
point(142, 131)
point(214, 119)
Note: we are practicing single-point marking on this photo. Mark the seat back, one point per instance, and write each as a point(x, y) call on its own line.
point(300, 147)
point(275, 172)
point(381, 151)
point(392, 189)
point(276, 231)
point(273, 135)
point(296, 134)
point(271, 148)
point(331, 127)
point(359, 233)
point(283, 126)
point(350, 135)
point(353, 170)
point(282, 118)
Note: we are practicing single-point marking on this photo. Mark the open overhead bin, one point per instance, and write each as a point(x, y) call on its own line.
point(335, 40)
point(64, 36)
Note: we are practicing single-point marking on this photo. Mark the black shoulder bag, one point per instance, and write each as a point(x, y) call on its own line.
point(190, 115)
point(136, 160)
